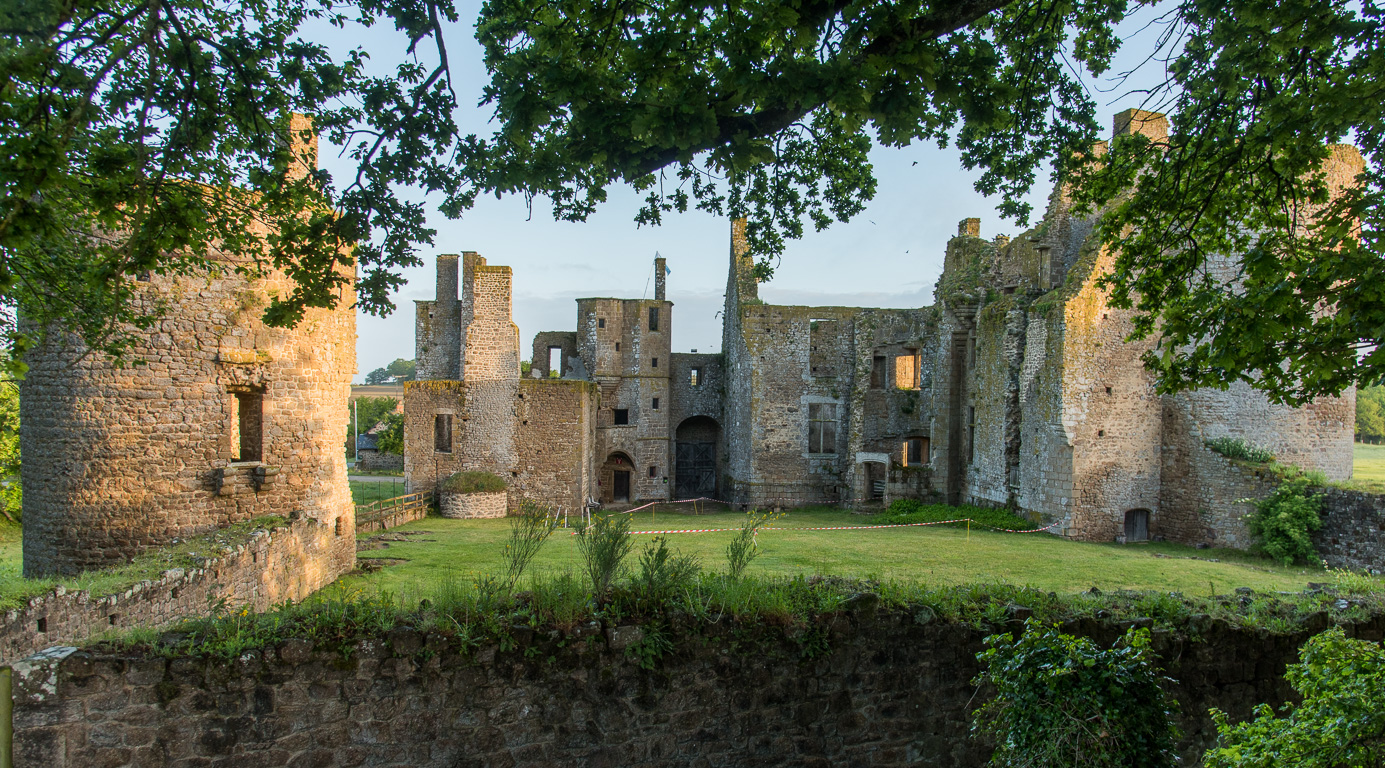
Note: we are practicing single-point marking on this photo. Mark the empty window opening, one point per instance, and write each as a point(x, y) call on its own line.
point(254, 557)
point(915, 451)
point(875, 481)
point(442, 433)
point(621, 416)
point(654, 404)
point(906, 371)
point(555, 362)
point(42, 625)
point(1108, 390)
point(617, 346)
point(822, 428)
point(653, 318)
point(653, 471)
point(971, 434)
point(1101, 433)
point(339, 527)
point(653, 362)
point(600, 322)
point(694, 377)
point(1137, 525)
point(247, 419)
point(877, 372)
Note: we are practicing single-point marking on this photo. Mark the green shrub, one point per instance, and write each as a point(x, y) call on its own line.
point(904, 511)
point(604, 544)
point(1340, 724)
point(472, 482)
point(663, 571)
point(1237, 448)
point(1282, 524)
point(743, 547)
point(1063, 701)
point(528, 532)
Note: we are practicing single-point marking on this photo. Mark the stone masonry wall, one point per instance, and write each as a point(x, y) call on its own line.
point(1353, 531)
point(120, 459)
point(463, 506)
point(890, 692)
point(554, 443)
point(282, 564)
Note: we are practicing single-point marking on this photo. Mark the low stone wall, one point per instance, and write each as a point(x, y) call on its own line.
point(286, 563)
point(469, 505)
point(1353, 531)
point(379, 461)
point(891, 692)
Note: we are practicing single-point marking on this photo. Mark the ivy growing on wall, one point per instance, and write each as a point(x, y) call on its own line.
point(1064, 701)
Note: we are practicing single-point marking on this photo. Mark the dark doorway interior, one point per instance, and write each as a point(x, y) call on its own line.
point(621, 489)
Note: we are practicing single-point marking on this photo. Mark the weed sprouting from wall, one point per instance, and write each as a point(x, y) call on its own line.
point(743, 547)
point(529, 530)
point(604, 544)
point(1239, 448)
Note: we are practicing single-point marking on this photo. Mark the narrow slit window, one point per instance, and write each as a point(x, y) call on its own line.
point(621, 416)
point(654, 404)
point(247, 421)
point(971, 434)
point(822, 428)
point(653, 362)
point(695, 377)
point(653, 318)
point(442, 433)
point(653, 471)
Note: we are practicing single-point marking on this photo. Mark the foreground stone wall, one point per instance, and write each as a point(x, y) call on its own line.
point(462, 506)
point(272, 566)
point(1353, 531)
point(891, 692)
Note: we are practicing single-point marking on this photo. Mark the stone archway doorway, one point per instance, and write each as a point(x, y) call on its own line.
point(695, 458)
point(615, 479)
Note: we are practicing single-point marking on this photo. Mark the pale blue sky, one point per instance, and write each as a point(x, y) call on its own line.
point(888, 256)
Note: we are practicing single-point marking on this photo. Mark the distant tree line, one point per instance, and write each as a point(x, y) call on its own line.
point(369, 411)
point(1370, 415)
point(395, 372)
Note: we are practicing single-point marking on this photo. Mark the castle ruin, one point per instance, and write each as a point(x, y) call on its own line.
point(1015, 388)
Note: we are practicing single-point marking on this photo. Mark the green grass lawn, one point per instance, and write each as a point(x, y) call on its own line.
point(1368, 467)
point(438, 549)
point(364, 492)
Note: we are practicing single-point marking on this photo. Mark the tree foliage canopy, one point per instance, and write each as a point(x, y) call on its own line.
point(155, 117)
point(1370, 415)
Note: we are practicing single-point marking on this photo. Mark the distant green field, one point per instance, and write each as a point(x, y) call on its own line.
point(435, 550)
point(1368, 466)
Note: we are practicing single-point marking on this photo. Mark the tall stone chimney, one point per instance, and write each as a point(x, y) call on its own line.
point(660, 269)
point(969, 227)
point(303, 143)
point(447, 320)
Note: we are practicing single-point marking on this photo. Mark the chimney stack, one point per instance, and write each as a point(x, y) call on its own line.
point(660, 270)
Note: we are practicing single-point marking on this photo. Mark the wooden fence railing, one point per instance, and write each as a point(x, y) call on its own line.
point(387, 513)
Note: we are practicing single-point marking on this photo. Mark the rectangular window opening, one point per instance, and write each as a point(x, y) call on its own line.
point(442, 433)
point(695, 377)
point(653, 471)
point(600, 322)
point(906, 371)
point(653, 362)
point(247, 418)
point(617, 346)
point(555, 362)
point(822, 428)
point(877, 372)
point(654, 404)
point(915, 451)
point(621, 416)
point(653, 318)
